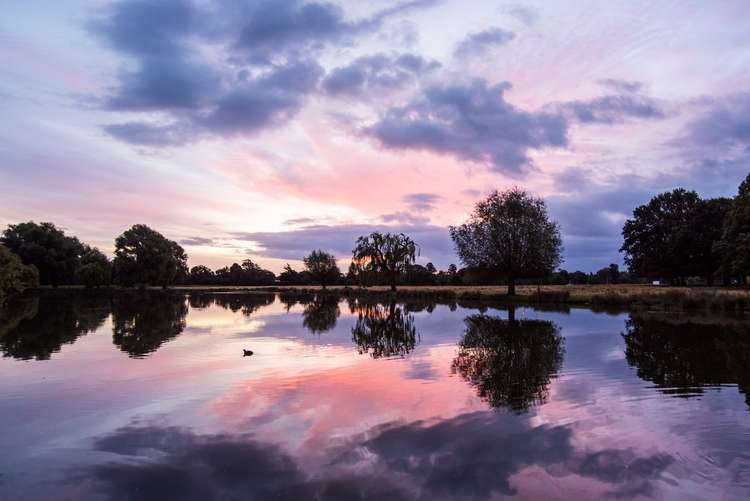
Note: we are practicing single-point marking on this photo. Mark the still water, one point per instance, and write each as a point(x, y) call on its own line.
point(148, 396)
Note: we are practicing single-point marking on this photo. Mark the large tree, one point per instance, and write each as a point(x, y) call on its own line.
point(144, 256)
point(673, 236)
point(510, 234)
point(385, 253)
point(734, 245)
point(322, 267)
point(55, 255)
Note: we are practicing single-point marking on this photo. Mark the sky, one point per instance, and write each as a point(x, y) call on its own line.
point(265, 129)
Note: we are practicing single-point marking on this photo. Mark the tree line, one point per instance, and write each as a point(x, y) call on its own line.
point(508, 238)
point(678, 236)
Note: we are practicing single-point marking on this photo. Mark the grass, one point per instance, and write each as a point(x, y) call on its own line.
point(598, 297)
point(605, 298)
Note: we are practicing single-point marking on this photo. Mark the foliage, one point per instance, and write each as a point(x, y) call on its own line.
point(510, 234)
point(55, 255)
point(201, 275)
point(144, 256)
point(673, 236)
point(292, 277)
point(734, 246)
point(94, 274)
point(389, 254)
point(247, 273)
point(14, 275)
point(510, 362)
point(322, 268)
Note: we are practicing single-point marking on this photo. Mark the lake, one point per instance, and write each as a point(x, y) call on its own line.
point(147, 395)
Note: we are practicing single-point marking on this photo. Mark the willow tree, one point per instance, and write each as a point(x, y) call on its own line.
point(385, 253)
point(510, 234)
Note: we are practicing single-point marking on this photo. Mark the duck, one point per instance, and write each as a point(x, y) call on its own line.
point(246, 353)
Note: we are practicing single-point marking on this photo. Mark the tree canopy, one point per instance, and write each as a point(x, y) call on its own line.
point(510, 234)
point(144, 256)
point(733, 248)
point(55, 255)
point(386, 253)
point(673, 236)
point(322, 267)
point(14, 275)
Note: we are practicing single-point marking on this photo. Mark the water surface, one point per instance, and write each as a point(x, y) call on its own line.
point(148, 395)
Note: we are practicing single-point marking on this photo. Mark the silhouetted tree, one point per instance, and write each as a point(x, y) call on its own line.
point(143, 322)
point(95, 270)
point(734, 246)
point(430, 268)
point(201, 275)
point(55, 255)
point(322, 268)
point(510, 234)
point(704, 232)
point(292, 277)
point(384, 331)
point(672, 236)
point(387, 253)
point(510, 362)
point(14, 275)
point(144, 256)
point(320, 315)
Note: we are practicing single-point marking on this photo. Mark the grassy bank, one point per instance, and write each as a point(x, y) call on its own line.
point(597, 297)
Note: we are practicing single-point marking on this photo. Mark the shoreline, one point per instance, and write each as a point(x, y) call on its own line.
point(619, 297)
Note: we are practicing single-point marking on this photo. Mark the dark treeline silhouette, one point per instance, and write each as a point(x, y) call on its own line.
point(677, 236)
point(507, 239)
point(683, 355)
point(510, 362)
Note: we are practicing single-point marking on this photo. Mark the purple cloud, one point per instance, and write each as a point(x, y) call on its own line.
point(472, 122)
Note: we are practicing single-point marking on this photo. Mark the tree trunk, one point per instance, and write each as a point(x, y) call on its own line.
point(511, 314)
point(511, 286)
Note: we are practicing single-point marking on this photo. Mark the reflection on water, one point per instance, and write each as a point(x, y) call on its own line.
point(321, 313)
point(384, 330)
point(456, 401)
point(36, 329)
point(143, 322)
point(510, 362)
point(682, 356)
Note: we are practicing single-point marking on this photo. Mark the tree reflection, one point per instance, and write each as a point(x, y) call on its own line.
point(510, 362)
point(681, 355)
point(35, 328)
point(384, 330)
point(143, 322)
point(290, 299)
point(246, 303)
point(321, 314)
